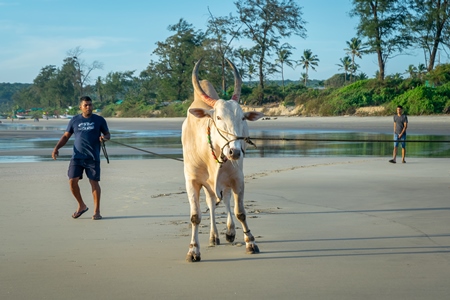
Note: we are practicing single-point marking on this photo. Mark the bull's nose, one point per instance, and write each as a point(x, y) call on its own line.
point(234, 153)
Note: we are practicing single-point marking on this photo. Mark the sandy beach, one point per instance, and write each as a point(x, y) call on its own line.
point(327, 227)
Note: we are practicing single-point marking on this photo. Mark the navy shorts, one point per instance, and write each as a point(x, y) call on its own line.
point(91, 167)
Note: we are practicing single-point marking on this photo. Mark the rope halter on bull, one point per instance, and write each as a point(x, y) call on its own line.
point(222, 156)
point(221, 133)
point(211, 102)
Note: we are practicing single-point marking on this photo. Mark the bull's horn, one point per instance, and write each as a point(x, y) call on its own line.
point(237, 82)
point(198, 89)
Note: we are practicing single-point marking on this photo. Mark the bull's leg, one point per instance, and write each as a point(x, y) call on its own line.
point(231, 231)
point(211, 202)
point(239, 210)
point(193, 191)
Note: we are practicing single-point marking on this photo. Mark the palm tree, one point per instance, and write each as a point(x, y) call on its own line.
point(243, 55)
point(354, 48)
point(346, 65)
point(353, 69)
point(251, 71)
point(283, 55)
point(412, 71)
point(304, 77)
point(362, 76)
point(308, 60)
point(421, 70)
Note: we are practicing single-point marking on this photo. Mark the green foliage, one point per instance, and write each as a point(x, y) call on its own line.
point(387, 33)
point(303, 96)
point(361, 93)
point(130, 108)
point(251, 98)
point(74, 110)
point(175, 110)
point(109, 110)
point(138, 96)
point(176, 57)
point(440, 75)
point(335, 81)
point(295, 88)
point(372, 92)
point(267, 29)
point(273, 93)
point(422, 100)
point(36, 114)
point(7, 90)
point(319, 105)
point(168, 78)
point(134, 108)
point(246, 90)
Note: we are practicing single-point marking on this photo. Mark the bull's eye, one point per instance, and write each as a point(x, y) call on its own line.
point(219, 118)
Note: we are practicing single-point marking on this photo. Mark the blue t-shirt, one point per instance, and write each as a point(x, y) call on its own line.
point(87, 132)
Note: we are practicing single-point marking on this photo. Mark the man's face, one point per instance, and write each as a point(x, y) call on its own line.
point(399, 111)
point(86, 107)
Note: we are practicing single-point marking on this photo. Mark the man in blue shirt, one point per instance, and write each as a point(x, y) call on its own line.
point(400, 125)
point(90, 130)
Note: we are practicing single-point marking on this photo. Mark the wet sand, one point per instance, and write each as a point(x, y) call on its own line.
point(437, 125)
point(327, 228)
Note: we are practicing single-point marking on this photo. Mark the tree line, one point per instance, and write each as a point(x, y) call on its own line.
point(386, 28)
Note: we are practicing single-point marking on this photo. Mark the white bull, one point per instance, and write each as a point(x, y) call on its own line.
point(213, 150)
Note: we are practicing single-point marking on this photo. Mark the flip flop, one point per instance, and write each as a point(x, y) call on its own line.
point(78, 214)
point(97, 217)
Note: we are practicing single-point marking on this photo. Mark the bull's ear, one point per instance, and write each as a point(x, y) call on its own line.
point(253, 115)
point(201, 113)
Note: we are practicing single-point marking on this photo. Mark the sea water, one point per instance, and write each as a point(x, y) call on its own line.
point(269, 143)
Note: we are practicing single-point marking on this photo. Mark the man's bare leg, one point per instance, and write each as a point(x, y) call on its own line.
point(75, 189)
point(96, 193)
point(394, 155)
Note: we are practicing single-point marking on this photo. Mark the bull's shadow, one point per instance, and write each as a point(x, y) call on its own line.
point(367, 211)
point(303, 253)
point(145, 217)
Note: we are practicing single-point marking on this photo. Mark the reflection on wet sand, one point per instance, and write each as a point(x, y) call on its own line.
point(24, 143)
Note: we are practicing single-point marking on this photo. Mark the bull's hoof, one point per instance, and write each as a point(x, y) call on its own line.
point(252, 249)
point(191, 257)
point(214, 242)
point(230, 237)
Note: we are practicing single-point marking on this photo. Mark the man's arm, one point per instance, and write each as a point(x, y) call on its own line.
point(405, 125)
point(62, 141)
point(105, 131)
point(403, 130)
point(105, 137)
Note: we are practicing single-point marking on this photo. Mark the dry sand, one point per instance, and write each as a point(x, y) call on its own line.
point(327, 228)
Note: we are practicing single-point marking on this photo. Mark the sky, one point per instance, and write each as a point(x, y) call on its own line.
point(123, 34)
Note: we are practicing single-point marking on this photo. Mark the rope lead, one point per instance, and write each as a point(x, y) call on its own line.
point(104, 151)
